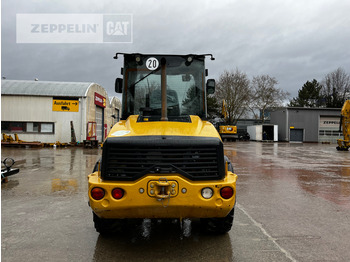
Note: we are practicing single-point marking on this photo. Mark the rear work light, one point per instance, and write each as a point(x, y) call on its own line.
point(117, 193)
point(97, 193)
point(207, 193)
point(226, 192)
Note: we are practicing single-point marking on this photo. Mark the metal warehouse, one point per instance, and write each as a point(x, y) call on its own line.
point(298, 124)
point(49, 111)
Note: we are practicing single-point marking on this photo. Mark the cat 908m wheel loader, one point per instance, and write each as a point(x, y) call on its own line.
point(163, 159)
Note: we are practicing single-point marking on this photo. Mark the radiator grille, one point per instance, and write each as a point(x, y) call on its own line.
point(132, 158)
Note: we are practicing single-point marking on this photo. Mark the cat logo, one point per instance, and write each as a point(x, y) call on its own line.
point(117, 28)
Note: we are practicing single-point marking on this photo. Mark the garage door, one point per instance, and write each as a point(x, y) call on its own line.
point(296, 135)
point(99, 123)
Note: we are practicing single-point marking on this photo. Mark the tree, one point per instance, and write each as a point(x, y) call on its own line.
point(335, 86)
point(233, 87)
point(308, 96)
point(213, 106)
point(266, 95)
point(191, 102)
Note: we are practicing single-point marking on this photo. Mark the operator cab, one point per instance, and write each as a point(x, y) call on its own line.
point(164, 87)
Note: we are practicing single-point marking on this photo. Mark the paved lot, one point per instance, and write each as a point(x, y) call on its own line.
point(293, 205)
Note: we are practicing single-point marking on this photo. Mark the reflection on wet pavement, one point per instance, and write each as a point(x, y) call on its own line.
point(163, 240)
point(70, 185)
point(48, 171)
point(318, 169)
point(298, 193)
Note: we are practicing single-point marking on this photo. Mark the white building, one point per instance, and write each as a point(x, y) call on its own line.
point(43, 111)
point(115, 109)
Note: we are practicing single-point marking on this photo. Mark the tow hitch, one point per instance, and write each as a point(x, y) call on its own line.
point(163, 189)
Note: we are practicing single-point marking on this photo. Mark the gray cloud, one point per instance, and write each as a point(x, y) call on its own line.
point(294, 41)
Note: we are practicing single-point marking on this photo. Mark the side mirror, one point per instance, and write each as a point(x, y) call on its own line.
point(210, 86)
point(119, 85)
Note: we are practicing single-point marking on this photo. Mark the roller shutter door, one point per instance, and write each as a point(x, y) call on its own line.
point(296, 135)
point(99, 123)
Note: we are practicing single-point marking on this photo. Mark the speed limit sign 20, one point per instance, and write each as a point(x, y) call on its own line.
point(152, 63)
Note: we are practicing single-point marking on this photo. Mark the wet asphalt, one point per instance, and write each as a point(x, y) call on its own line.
point(293, 205)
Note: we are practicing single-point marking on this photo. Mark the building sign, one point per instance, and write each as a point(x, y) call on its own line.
point(330, 122)
point(105, 128)
point(100, 100)
point(65, 105)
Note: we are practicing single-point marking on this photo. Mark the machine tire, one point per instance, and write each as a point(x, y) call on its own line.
point(96, 165)
point(107, 226)
point(229, 166)
point(342, 148)
point(218, 225)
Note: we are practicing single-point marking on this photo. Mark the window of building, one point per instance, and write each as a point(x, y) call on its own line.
point(27, 127)
point(33, 127)
point(15, 127)
point(46, 127)
point(330, 133)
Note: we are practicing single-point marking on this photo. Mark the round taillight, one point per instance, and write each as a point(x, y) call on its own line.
point(117, 193)
point(97, 193)
point(226, 192)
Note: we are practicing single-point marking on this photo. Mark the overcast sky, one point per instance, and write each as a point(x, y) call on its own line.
point(291, 40)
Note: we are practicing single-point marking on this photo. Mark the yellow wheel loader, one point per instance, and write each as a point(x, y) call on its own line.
point(163, 159)
point(344, 144)
point(226, 131)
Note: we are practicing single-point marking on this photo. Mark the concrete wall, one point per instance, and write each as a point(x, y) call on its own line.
point(91, 107)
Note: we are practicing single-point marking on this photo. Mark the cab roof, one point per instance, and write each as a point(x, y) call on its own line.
point(139, 54)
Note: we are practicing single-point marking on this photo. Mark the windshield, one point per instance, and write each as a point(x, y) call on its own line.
point(184, 82)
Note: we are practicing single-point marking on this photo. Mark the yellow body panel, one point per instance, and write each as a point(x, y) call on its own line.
point(131, 127)
point(135, 204)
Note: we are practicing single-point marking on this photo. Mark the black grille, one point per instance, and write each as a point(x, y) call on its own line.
point(130, 158)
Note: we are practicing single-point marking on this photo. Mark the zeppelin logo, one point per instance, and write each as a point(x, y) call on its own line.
point(100, 100)
point(64, 28)
point(331, 122)
point(74, 28)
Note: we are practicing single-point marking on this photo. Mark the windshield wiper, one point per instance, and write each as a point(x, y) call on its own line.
point(138, 81)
